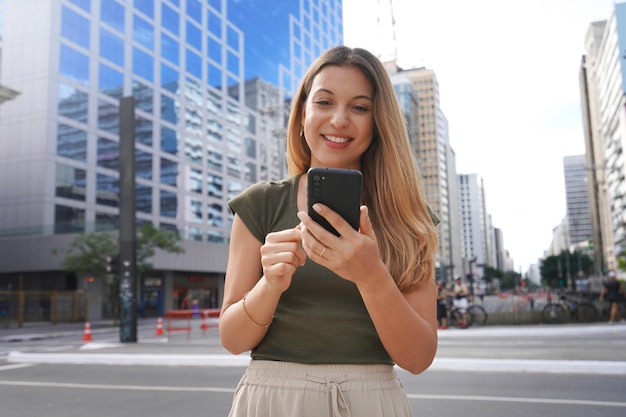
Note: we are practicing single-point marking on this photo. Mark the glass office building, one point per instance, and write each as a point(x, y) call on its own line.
point(211, 81)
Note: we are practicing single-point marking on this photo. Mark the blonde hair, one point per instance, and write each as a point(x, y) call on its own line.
point(407, 236)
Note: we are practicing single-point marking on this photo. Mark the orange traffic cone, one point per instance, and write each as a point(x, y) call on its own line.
point(159, 329)
point(87, 333)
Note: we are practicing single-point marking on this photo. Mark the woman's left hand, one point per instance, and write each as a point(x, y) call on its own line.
point(353, 256)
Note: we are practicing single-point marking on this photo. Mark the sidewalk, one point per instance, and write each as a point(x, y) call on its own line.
point(204, 348)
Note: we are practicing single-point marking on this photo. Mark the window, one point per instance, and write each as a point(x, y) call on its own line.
point(68, 219)
point(143, 164)
point(110, 81)
point(74, 65)
point(143, 131)
point(168, 203)
point(143, 32)
point(144, 96)
point(74, 27)
point(72, 103)
point(193, 64)
point(194, 36)
point(143, 198)
point(194, 10)
point(107, 190)
point(195, 181)
point(169, 49)
point(71, 142)
point(143, 64)
point(169, 172)
point(111, 47)
point(169, 78)
point(145, 6)
point(170, 19)
point(108, 154)
point(108, 117)
point(168, 110)
point(70, 182)
point(112, 13)
point(193, 150)
point(169, 140)
point(83, 4)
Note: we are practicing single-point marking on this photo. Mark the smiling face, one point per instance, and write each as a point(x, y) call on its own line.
point(337, 117)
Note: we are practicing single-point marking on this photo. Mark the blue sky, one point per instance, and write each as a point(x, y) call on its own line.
point(508, 78)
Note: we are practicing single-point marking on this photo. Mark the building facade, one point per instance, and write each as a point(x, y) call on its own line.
point(603, 91)
point(211, 80)
point(477, 231)
point(576, 200)
point(418, 93)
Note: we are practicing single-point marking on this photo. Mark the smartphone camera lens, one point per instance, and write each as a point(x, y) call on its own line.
point(316, 178)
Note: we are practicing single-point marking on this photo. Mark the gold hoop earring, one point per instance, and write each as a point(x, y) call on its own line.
point(301, 131)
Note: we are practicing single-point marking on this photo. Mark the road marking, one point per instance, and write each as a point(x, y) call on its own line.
point(115, 387)
point(556, 401)
point(15, 366)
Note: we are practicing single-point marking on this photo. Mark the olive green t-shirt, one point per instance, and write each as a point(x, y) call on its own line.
point(321, 317)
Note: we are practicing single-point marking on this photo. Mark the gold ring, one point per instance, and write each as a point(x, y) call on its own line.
point(322, 252)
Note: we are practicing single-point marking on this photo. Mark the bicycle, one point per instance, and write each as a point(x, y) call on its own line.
point(476, 315)
point(564, 310)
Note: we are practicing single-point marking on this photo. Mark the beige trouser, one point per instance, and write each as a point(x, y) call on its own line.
point(285, 389)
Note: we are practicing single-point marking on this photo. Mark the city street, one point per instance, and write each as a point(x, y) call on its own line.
point(573, 371)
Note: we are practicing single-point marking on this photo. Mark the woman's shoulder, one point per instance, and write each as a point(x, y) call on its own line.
point(268, 188)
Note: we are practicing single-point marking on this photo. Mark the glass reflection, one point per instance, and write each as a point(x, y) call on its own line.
point(71, 142)
point(169, 204)
point(70, 182)
point(108, 154)
point(107, 190)
point(73, 103)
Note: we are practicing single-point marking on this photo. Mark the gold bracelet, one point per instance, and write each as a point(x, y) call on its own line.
point(243, 303)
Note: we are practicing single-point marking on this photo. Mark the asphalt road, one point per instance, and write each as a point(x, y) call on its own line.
point(556, 371)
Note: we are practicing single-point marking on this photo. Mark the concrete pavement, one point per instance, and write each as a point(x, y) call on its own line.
point(470, 350)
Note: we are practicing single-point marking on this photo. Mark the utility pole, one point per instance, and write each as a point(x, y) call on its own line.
point(127, 236)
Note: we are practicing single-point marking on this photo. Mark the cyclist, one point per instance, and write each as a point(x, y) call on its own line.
point(614, 295)
point(460, 302)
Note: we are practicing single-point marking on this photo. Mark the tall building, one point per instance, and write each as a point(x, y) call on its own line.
point(603, 92)
point(476, 233)
point(418, 93)
point(576, 200)
point(211, 81)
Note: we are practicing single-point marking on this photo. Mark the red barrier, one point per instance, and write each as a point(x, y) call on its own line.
point(178, 315)
point(186, 315)
point(207, 313)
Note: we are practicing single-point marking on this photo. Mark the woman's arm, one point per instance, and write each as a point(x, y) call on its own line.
point(261, 272)
point(406, 323)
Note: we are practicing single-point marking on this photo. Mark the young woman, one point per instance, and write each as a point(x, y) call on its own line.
point(327, 317)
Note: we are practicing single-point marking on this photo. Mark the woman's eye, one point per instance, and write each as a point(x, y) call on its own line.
point(361, 108)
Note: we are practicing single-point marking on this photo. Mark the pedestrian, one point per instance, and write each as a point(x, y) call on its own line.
point(442, 308)
point(461, 302)
point(326, 317)
point(612, 289)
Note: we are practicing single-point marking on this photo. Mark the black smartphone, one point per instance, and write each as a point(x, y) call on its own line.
point(339, 189)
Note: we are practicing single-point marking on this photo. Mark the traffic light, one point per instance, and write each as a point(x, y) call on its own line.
point(523, 284)
point(113, 264)
point(590, 244)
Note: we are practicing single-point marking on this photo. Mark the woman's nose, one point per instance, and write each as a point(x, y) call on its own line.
point(339, 117)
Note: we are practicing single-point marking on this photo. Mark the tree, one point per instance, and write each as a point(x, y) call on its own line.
point(92, 255)
point(554, 269)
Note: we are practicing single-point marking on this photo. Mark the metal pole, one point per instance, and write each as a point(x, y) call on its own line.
point(127, 237)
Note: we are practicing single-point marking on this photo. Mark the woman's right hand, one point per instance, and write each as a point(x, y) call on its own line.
point(281, 255)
